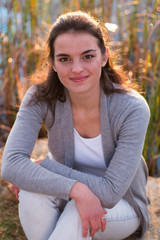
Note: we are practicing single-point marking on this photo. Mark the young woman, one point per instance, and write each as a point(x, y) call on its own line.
point(96, 127)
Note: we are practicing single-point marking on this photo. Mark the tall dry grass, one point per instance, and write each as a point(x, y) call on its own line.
point(22, 37)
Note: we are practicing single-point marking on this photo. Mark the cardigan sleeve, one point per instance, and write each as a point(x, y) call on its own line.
point(16, 165)
point(123, 166)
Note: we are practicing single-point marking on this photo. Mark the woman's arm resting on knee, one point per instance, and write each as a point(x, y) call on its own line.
point(17, 166)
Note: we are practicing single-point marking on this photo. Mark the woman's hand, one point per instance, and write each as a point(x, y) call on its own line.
point(14, 189)
point(89, 207)
point(38, 161)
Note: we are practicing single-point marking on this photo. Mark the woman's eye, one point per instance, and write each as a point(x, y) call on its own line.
point(88, 56)
point(64, 59)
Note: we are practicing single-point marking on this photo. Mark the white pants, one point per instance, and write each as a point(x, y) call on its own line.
point(41, 219)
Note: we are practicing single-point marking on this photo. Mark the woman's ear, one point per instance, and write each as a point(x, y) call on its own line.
point(52, 63)
point(54, 68)
point(105, 59)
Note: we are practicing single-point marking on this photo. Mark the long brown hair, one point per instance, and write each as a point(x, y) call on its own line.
point(51, 89)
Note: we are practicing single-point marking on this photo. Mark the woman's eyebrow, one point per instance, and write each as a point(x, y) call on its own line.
point(88, 51)
point(67, 55)
point(62, 55)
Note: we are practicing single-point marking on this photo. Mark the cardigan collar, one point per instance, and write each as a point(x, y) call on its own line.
point(68, 132)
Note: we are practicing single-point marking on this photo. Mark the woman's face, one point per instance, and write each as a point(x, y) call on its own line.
point(78, 62)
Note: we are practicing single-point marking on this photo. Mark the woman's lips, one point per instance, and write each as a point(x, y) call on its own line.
point(79, 79)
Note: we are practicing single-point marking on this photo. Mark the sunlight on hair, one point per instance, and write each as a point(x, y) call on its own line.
point(112, 27)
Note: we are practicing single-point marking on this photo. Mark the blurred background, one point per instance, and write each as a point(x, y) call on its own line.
point(134, 28)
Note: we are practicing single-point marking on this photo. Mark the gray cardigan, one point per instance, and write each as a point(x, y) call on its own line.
point(124, 121)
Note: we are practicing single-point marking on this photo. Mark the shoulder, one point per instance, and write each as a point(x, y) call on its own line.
point(127, 112)
point(31, 107)
point(118, 102)
point(128, 105)
point(29, 95)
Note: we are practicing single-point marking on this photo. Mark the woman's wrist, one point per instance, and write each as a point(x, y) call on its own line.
point(76, 190)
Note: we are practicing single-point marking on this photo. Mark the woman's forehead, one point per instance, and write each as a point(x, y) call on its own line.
point(72, 41)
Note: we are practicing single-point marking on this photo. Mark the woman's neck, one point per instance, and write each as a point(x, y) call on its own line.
point(85, 101)
point(86, 113)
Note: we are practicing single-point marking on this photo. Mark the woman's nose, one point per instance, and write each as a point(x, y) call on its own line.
point(77, 67)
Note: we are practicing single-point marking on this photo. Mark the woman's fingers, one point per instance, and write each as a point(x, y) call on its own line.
point(95, 225)
point(15, 190)
point(103, 226)
point(91, 226)
point(39, 161)
point(85, 228)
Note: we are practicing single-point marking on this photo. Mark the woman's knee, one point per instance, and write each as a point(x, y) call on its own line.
point(34, 205)
point(38, 214)
point(122, 221)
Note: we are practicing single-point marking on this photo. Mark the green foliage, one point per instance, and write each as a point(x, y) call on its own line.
point(137, 42)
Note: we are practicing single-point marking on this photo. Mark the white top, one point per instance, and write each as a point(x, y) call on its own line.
point(89, 154)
